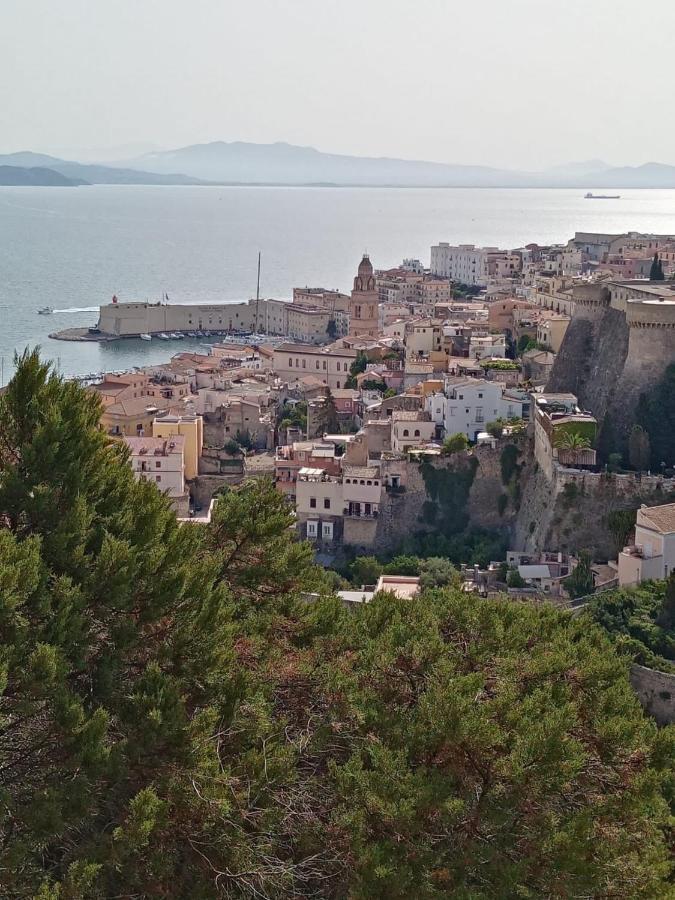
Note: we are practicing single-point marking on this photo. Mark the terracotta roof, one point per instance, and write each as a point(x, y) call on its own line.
point(345, 394)
point(136, 406)
point(361, 472)
point(307, 348)
point(155, 445)
point(661, 518)
point(408, 415)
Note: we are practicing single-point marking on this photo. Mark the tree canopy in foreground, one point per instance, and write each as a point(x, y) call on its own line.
point(176, 720)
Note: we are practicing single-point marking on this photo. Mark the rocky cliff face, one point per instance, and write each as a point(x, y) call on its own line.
point(608, 365)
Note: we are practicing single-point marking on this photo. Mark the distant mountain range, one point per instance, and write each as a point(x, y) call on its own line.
point(83, 173)
point(281, 163)
point(35, 176)
point(287, 164)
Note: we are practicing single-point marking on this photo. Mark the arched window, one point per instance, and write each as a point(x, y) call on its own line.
point(405, 432)
point(417, 432)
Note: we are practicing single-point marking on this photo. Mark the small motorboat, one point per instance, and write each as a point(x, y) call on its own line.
point(175, 336)
point(45, 311)
point(191, 334)
point(145, 337)
point(163, 337)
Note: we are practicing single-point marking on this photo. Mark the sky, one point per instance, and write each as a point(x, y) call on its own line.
point(510, 83)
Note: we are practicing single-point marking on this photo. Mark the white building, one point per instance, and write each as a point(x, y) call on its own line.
point(487, 346)
point(410, 429)
point(466, 263)
point(162, 461)
point(652, 554)
point(467, 405)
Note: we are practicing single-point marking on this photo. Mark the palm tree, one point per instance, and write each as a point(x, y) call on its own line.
point(572, 440)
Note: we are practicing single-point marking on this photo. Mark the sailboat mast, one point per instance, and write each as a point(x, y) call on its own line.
point(257, 295)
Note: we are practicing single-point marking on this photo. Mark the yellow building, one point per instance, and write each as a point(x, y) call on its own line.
point(192, 429)
point(551, 331)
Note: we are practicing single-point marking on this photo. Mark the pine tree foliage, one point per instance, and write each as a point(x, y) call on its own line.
point(176, 720)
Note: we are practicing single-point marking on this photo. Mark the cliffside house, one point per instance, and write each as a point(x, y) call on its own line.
point(467, 405)
point(652, 552)
point(558, 415)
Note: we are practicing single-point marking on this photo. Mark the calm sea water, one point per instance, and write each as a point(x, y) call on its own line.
point(72, 248)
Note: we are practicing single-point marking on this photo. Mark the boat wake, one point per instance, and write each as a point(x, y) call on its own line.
point(77, 309)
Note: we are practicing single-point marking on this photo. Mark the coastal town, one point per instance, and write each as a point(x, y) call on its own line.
point(474, 405)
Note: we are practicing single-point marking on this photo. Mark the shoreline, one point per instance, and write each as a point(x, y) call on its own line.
point(83, 335)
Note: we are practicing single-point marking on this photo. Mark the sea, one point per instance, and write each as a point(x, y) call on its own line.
point(73, 248)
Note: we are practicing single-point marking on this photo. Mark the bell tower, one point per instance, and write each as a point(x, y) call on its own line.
point(363, 306)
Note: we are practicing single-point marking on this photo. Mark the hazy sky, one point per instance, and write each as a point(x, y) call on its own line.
point(521, 83)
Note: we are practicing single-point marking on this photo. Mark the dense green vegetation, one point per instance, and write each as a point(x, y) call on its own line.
point(641, 621)
point(293, 414)
point(358, 366)
point(656, 414)
point(455, 443)
point(177, 721)
point(501, 365)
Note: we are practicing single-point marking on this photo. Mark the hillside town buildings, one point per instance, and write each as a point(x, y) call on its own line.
point(343, 398)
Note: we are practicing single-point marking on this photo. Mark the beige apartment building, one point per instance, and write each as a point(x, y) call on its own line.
point(322, 299)
point(293, 361)
point(422, 336)
point(551, 331)
point(132, 417)
point(313, 324)
point(191, 429)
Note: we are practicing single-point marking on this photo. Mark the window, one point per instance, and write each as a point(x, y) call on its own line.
point(369, 482)
point(326, 502)
point(327, 531)
point(405, 432)
point(312, 502)
point(290, 363)
point(312, 529)
point(158, 465)
point(317, 363)
point(303, 364)
point(158, 477)
point(324, 365)
point(417, 432)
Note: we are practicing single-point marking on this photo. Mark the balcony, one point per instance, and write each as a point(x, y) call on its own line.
point(359, 514)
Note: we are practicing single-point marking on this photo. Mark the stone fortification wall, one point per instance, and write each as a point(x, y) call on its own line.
point(592, 357)
point(651, 348)
point(656, 692)
point(571, 511)
point(361, 533)
point(129, 319)
point(613, 352)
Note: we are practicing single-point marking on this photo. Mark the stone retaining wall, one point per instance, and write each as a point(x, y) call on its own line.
point(655, 691)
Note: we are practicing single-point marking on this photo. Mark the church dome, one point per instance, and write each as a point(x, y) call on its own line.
point(365, 266)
